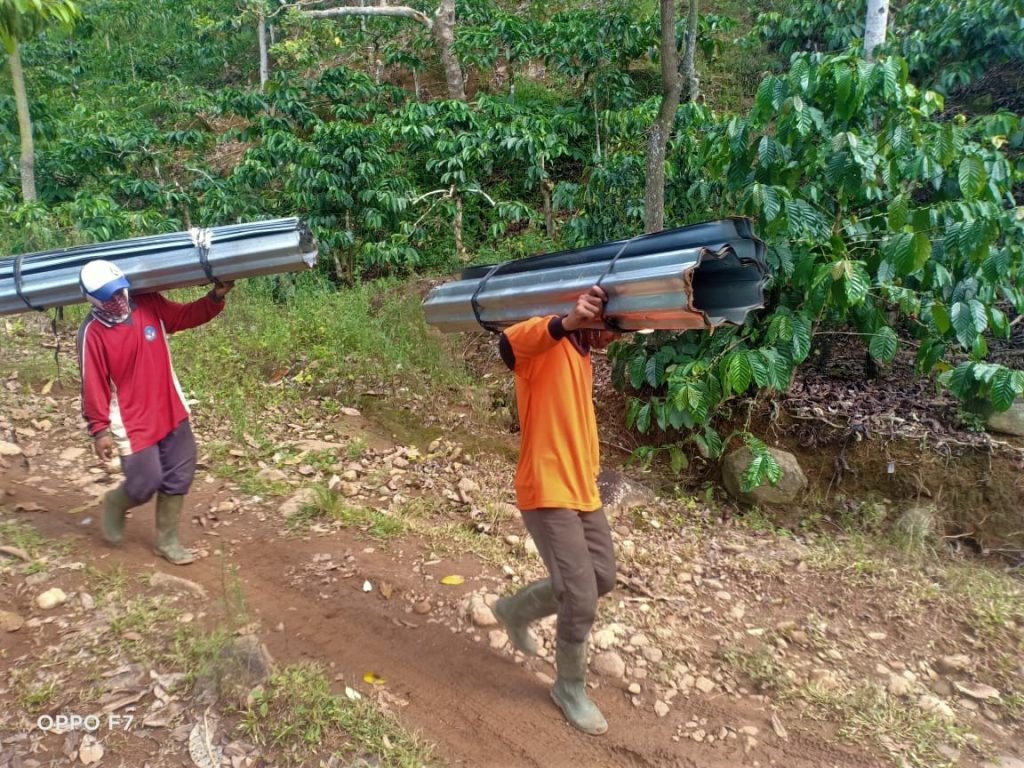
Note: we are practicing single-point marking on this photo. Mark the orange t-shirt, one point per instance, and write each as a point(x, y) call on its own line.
point(559, 456)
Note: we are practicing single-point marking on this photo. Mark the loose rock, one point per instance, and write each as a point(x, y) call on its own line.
point(480, 613)
point(604, 639)
point(930, 703)
point(978, 691)
point(705, 685)
point(10, 622)
point(166, 581)
point(791, 484)
point(957, 662)
point(51, 598)
point(653, 654)
point(610, 664)
point(497, 639)
point(9, 449)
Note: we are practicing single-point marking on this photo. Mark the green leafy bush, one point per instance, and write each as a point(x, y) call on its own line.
point(946, 44)
point(878, 215)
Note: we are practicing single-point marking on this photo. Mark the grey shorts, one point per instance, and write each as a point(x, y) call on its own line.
point(168, 466)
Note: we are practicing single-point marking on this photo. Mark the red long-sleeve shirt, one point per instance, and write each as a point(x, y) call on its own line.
point(128, 382)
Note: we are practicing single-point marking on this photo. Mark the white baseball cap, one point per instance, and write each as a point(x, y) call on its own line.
point(100, 280)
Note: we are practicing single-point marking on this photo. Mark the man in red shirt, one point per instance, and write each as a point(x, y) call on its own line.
point(131, 397)
point(556, 492)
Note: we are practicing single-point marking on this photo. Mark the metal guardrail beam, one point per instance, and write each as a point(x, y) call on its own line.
point(671, 280)
point(161, 262)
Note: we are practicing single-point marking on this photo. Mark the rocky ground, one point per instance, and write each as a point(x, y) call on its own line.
point(340, 614)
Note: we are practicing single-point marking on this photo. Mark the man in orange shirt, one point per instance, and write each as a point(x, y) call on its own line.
point(556, 492)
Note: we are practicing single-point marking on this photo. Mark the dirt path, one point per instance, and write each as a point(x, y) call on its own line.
point(478, 705)
point(735, 645)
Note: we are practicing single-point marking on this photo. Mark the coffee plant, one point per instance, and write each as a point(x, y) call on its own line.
point(879, 217)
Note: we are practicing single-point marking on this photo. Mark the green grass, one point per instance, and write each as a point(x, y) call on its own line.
point(297, 712)
point(908, 734)
point(330, 506)
point(759, 664)
point(196, 652)
point(261, 352)
point(35, 698)
point(38, 547)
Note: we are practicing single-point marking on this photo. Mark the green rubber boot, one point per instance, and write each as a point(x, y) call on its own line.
point(532, 602)
point(570, 690)
point(168, 513)
point(116, 504)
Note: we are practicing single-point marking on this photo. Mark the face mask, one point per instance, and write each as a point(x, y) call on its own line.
point(114, 310)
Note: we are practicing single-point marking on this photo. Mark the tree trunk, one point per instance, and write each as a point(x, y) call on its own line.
point(689, 70)
point(875, 27)
point(442, 27)
point(460, 246)
point(659, 132)
point(261, 29)
point(444, 36)
point(549, 214)
point(416, 83)
point(28, 149)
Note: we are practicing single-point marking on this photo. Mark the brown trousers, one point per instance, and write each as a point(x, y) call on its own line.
point(577, 549)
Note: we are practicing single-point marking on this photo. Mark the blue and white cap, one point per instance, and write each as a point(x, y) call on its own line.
point(100, 280)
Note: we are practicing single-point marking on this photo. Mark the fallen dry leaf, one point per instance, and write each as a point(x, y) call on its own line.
point(91, 751)
point(778, 727)
point(201, 747)
point(120, 699)
point(386, 590)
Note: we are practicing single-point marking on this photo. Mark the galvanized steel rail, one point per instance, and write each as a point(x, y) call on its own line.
point(700, 276)
point(50, 278)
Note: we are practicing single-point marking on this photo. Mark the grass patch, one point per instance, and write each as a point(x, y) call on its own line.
point(330, 506)
point(315, 336)
point(908, 734)
point(110, 584)
point(142, 615)
point(297, 712)
point(35, 698)
point(992, 602)
point(38, 547)
point(196, 652)
point(759, 664)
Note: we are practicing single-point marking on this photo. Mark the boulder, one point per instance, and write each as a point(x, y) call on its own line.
point(620, 494)
point(792, 483)
point(1009, 422)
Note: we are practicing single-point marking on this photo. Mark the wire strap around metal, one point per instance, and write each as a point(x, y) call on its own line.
point(19, 285)
point(611, 325)
point(202, 239)
point(475, 300)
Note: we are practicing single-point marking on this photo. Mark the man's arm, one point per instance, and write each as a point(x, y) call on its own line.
point(179, 317)
point(95, 391)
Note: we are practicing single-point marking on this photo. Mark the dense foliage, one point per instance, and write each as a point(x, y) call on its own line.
point(946, 44)
point(886, 216)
